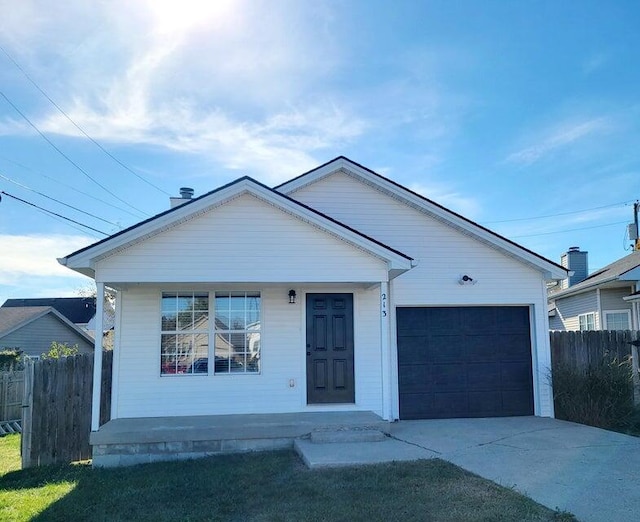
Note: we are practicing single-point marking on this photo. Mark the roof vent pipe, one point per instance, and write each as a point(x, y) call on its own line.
point(186, 192)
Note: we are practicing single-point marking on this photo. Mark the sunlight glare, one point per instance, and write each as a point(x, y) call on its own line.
point(174, 16)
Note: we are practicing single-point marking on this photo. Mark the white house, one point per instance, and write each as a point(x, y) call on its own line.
point(337, 291)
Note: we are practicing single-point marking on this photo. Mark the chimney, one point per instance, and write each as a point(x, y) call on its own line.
point(576, 261)
point(186, 193)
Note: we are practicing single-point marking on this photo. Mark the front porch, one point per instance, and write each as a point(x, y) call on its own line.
point(123, 442)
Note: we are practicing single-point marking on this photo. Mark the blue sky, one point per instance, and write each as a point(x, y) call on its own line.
point(502, 111)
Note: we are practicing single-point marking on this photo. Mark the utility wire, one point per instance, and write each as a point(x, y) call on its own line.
point(52, 213)
point(58, 201)
point(70, 187)
point(570, 230)
point(559, 214)
point(67, 157)
point(96, 143)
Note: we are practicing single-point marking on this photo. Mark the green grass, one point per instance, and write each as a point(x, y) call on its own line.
point(271, 486)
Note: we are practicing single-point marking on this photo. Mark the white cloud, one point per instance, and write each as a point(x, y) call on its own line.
point(168, 68)
point(558, 137)
point(35, 255)
point(31, 269)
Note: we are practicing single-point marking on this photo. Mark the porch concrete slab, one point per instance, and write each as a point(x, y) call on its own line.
point(592, 473)
point(338, 454)
point(230, 427)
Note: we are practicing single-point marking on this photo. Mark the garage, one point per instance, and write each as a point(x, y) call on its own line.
point(472, 361)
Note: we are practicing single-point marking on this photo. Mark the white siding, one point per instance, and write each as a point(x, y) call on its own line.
point(36, 337)
point(244, 240)
point(444, 255)
point(142, 392)
point(569, 308)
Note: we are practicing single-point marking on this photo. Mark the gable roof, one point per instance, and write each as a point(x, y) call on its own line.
point(343, 164)
point(14, 318)
point(79, 310)
point(83, 260)
point(623, 269)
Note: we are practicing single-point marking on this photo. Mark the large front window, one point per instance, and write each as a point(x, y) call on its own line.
point(185, 333)
point(237, 332)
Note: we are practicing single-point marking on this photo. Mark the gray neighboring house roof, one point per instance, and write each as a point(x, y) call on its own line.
point(14, 318)
point(79, 310)
point(621, 270)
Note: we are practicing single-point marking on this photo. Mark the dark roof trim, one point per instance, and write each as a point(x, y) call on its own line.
point(223, 187)
point(431, 202)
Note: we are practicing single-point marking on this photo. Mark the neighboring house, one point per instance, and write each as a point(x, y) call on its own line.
point(339, 290)
point(81, 311)
point(32, 329)
point(608, 299)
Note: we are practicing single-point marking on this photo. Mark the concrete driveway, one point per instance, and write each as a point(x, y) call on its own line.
point(593, 473)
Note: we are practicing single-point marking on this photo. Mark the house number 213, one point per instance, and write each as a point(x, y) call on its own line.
point(383, 297)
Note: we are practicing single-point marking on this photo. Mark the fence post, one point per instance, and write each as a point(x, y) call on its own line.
point(4, 396)
point(636, 376)
point(27, 415)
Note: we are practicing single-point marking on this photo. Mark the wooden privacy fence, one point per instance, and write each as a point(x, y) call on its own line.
point(583, 349)
point(56, 410)
point(11, 390)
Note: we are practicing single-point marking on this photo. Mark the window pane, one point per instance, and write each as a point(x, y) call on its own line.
point(185, 302)
point(185, 320)
point(201, 302)
point(237, 341)
point(169, 320)
point(169, 303)
point(236, 320)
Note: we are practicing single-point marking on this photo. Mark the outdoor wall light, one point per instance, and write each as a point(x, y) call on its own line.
point(292, 297)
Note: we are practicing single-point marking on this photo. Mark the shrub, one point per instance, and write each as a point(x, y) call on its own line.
point(57, 350)
point(10, 358)
point(601, 395)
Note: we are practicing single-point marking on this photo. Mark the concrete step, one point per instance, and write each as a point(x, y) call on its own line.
point(317, 456)
point(347, 434)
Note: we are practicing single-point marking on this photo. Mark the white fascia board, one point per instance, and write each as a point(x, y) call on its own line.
point(549, 270)
point(84, 261)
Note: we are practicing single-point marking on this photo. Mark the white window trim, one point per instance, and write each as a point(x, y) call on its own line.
point(605, 312)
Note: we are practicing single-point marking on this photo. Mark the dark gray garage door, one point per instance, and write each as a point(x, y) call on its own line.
point(464, 362)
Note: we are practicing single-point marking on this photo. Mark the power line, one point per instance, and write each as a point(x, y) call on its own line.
point(67, 157)
point(570, 230)
point(559, 213)
point(58, 201)
point(52, 213)
point(96, 143)
point(70, 187)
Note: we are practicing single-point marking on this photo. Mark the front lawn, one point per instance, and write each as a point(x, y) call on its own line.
point(271, 486)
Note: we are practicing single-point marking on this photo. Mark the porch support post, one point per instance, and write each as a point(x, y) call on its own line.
point(97, 358)
point(385, 349)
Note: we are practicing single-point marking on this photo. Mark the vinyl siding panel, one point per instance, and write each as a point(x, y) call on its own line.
point(612, 298)
point(244, 240)
point(443, 254)
point(571, 307)
point(142, 392)
point(36, 337)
